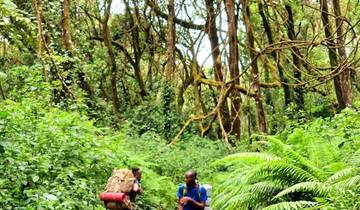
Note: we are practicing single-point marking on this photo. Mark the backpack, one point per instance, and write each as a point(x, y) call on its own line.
point(121, 180)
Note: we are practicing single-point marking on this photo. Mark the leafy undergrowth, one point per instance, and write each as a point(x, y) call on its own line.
point(316, 167)
point(52, 159)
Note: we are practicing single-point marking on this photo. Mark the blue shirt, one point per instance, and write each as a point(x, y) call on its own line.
point(197, 193)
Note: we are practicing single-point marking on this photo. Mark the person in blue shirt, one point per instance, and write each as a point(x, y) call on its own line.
point(191, 196)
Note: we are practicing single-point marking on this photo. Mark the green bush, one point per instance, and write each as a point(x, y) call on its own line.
point(172, 161)
point(50, 159)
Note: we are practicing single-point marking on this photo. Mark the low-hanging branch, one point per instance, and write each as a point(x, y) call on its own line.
point(183, 23)
point(241, 89)
point(120, 47)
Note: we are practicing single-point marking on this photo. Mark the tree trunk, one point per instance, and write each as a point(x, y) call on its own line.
point(66, 26)
point(108, 43)
point(298, 91)
point(331, 50)
point(214, 39)
point(66, 38)
point(136, 48)
point(254, 67)
point(40, 36)
point(2, 92)
point(40, 43)
point(216, 56)
point(152, 50)
point(170, 67)
point(283, 79)
point(345, 75)
point(234, 67)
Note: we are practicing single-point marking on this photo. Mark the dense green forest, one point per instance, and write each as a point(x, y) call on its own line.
point(260, 97)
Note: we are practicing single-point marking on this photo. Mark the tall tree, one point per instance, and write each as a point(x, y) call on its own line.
point(284, 81)
point(66, 25)
point(67, 43)
point(134, 19)
point(170, 66)
point(214, 39)
point(112, 61)
point(345, 75)
point(232, 21)
point(40, 39)
point(331, 51)
point(212, 32)
point(254, 67)
point(295, 52)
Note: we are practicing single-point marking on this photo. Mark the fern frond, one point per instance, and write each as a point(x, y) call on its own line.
point(281, 170)
point(302, 162)
point(232, 203)
point(265, 187)
point(341, 175)
point(294, 156)
point(349, 183)
point(291, 205)
point(246, 157)
point(236, 177)
point(316, 188)
point(355, 158)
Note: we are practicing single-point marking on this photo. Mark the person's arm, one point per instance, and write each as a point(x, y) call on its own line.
point(180, 196)
point(137, 188)
point(180, 206)
point(200, 204)
point(203, 199)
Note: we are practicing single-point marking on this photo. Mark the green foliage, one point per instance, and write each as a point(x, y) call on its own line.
point(15, 24)
point(314, 167)
point(44, 160)
point(174, 160)
point(51, 159)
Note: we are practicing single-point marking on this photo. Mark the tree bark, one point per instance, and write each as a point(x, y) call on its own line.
point(254, 67)
point(283, 79)
point(40, 36)
point(170, 67)
point(170, 43)
point(232, 20)
point(152, 49)
point(112, 61)
point(67, 43)
point(2, 92)
point(298, 91)
point(216, 56)
point(345, 75)
point(38, 11)
point(331, 50)
point(185, 24)
point(214, 39)
point(136, 48)
point(66, 25)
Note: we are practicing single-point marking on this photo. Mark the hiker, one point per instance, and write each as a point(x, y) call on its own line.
point(137, 185)
point(126, 182)
point(191, 196)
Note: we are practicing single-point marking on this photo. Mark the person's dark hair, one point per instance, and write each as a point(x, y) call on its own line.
point(193, 172)
point(135, 170)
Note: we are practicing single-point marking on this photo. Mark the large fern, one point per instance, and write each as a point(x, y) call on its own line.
point(315, 188)
point(291, 205)
point(282, 178)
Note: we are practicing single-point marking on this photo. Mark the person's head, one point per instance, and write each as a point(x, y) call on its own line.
point(137, 173)
point(190, 177)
